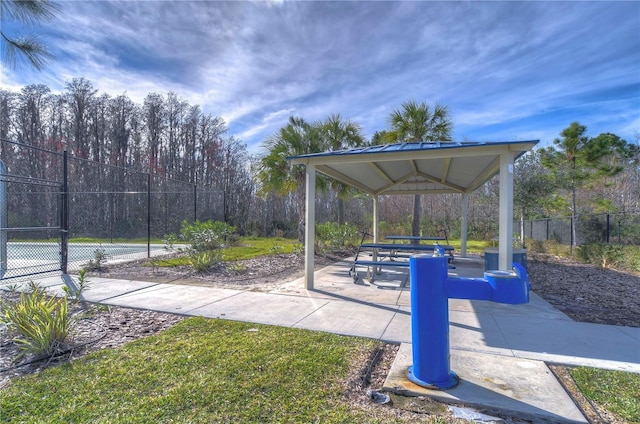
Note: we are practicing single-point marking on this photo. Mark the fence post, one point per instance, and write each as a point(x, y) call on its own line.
point(148, 215)
point(195, 203)
point(4, 219)
point(608, 231)
point(531, 229)
point(547, 235)
point(619, 229)
point(572, 223)
point(64, 221)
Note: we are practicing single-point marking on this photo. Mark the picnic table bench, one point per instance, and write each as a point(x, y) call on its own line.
point(380, 251)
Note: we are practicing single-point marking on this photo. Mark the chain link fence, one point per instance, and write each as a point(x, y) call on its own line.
point(62, 212)
point(619, 228)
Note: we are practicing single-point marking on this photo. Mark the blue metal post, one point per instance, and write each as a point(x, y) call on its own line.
point(430, 323)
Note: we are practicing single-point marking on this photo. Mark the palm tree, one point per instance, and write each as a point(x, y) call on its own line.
point(338, 134)
point(28, 13)
point(275, 173)
point(414, 123)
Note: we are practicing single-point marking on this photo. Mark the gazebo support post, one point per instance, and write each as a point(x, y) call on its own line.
point(464, 225)
point(376, 219)
point(310, 225)
point(505, 235)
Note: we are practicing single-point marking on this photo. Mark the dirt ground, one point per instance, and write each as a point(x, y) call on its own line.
point(583, 292)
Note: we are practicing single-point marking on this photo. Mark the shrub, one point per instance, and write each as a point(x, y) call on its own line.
point(298, 249)
point(209, 235)
point(331, 236)
point(387, 228)
point(555, 248)
point(535, 246)
point(169, 240)
point(602, 255)
point(203, 261)
point(39, 321)
point(277, 249)
point(236, 268)
point(99, 257)
point(631, 258)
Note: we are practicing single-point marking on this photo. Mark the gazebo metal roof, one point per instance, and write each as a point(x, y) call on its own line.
point(418, 168)
point(415, 168)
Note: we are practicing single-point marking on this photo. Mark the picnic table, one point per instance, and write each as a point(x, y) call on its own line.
point(415, 238)
point(397, 255)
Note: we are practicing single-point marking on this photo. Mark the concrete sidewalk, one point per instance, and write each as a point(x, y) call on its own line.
point(499, 351)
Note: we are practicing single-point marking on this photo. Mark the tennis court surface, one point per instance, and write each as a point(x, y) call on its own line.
point(27, 258)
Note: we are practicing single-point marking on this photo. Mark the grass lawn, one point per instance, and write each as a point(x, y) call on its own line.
point(245, 248)
point(251, 247)
point(473, 246)
point(201, 370)
point(616, 391)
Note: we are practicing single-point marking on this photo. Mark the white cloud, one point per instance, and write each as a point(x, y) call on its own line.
point(500, 66)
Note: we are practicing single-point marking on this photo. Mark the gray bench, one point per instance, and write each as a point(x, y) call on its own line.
point(390, 251)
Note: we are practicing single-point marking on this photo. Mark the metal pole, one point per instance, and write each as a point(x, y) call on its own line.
point(531, 229)
point(195, 202)
point(571, 245)
point(608, 228)
point(64, 224)
point(547, 234)
point(4, 220)
point(148, 215)
point(112, 212)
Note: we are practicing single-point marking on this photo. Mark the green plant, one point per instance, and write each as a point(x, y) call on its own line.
point(81, 285)
point(535, 246)
point(83, 281)
point(276, 249)
point(555, 248)
point(331, 236)
point(13, 287)
point(99, 257)
point(39, 321)
point(298, 249)
point(203, 261)
point(602, 255)
point(209, 235)
point(169, 240)
point(155, 265)
point(236, 268)
point(631, 259)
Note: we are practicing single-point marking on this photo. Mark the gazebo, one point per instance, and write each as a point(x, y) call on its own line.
point(418, 168)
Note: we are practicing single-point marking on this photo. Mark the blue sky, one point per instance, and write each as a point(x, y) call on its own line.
point(506, 70)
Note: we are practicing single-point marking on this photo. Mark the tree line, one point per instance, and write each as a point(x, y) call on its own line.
point(169, 138)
